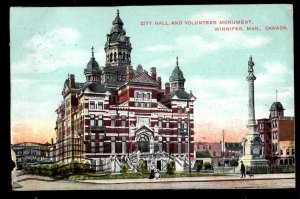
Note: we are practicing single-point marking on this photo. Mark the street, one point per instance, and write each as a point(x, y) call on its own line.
point(268, 181)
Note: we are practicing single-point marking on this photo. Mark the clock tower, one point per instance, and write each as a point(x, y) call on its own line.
point(117, 47)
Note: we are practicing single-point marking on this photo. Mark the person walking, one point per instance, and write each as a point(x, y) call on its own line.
point(243, 170)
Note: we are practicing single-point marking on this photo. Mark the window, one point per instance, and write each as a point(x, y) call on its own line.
point(179, 123)
point(100, 120)
point(179, 148)
point(92, 105)
point(100, 105)
point(92, 120)
point(113, 120)
point(287, 151)
point(123, 120)
point(293, 151)
point(142, 104)
point(124, 145)
point(186, 147)
point(281, 152)
point(168, 123)
point(209, 147)
point(179, 109)
point(160, 122)
point(101, 146)
point(214, 153)
point(93, 147)
point(113, 145)
point(148, 95)
point(185, 124)
point(136, 104)
point(93, 136)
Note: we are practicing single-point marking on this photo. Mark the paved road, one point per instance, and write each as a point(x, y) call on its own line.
point(228, 182)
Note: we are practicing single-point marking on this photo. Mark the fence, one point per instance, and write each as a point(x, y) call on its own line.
point(257, 169)
point(271, 169)
point(227, 170)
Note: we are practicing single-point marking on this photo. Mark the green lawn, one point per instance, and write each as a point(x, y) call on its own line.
point(95, 176)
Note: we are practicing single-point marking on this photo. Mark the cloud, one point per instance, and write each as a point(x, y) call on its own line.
point(49, 51)
point(159, 48)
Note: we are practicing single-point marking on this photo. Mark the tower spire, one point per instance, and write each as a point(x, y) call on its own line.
point(177, 61)
point(92, 51)
point(118, 12)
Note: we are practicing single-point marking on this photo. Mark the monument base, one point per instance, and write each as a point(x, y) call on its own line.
point(249, 161)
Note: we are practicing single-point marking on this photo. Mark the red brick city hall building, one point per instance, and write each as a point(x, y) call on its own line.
point(121, 115)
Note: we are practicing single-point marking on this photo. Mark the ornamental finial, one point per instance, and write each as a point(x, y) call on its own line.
point(92, 51)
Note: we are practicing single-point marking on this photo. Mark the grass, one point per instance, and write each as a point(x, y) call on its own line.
point(108, 176)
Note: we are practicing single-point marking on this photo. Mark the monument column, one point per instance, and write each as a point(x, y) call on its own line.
point(252, 143)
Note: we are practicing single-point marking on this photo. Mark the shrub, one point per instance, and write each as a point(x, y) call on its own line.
point(143, 166)
point(170, 168)
point(124, 169)
point(207, 165)
point(234, 163)
point(199, 167)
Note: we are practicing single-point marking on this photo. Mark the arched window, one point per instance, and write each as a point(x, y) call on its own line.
point(110, 57)
point(124, 55)
point(119, 55)
point(115, 56)
point(143, 144)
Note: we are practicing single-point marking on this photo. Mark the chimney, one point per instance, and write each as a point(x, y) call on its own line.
point(153, 73)
point(72, 81)
point(159, 83)
point(51, 141)
point(129, 73)
point(167, 86)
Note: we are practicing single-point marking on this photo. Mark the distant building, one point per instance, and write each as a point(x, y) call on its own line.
point(232, 151)
point(214, 149)
point(30, 152)
point(203, 157)
point(278, 134)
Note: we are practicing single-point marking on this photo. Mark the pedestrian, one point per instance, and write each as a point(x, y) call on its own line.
point(151, 174)
point(243, 170)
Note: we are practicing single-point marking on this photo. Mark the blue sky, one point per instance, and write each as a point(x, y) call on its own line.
point(48, 43)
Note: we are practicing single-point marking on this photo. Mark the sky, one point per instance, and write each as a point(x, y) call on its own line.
point(48, 43)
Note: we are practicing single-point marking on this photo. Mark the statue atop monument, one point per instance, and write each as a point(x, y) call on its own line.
point(250, 65)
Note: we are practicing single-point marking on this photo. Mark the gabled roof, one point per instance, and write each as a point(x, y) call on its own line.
point(180, 94)
point(95, 87)
point(143, 78)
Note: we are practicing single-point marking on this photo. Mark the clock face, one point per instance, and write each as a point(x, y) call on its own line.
point(122, 38)
point(256, 151)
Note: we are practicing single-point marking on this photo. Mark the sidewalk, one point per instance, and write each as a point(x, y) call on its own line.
point(195, 179)
point(229, 177)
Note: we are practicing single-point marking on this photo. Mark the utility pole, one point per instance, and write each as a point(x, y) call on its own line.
point(223, 151)
point(189, 133)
